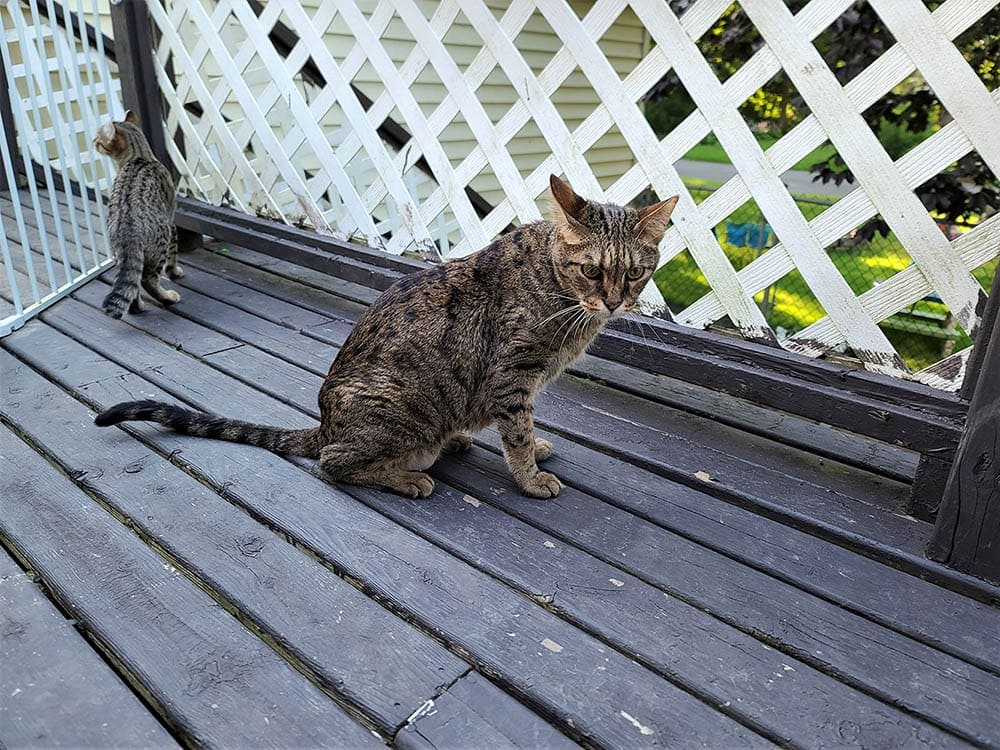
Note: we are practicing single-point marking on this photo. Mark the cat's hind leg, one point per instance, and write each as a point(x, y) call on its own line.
point(346, 462)
point(151, 283)
point(457, 443)
point(174, 271)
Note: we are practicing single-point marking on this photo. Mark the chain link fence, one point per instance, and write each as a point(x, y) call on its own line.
point(922, 334)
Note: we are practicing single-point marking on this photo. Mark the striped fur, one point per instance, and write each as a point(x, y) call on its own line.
point(455, 347)
point(187, 422)
point(140, 219)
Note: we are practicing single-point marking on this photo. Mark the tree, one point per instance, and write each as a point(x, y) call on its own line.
point(902, 118)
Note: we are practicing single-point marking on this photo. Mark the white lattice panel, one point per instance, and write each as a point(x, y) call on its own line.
point(269, 141)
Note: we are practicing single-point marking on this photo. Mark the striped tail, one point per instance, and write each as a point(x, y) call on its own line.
point(126, 286)
point(186, 422)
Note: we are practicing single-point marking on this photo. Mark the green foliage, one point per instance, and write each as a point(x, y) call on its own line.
point(919, 333)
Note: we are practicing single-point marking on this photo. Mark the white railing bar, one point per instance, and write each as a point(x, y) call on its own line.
point(29, 52)
point(59, 123)
point(89, 118)
point(14, 322)
point(21, 126)
point(8, 260)
point(109, 101)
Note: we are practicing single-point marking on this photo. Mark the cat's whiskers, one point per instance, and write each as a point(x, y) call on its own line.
point(634, 321)
point(578, 322)
point(556, 314)
point(567, 322)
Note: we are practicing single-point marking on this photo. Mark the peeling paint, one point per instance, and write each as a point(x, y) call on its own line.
point(552, 646)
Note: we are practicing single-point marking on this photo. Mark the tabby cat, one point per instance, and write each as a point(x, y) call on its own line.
point(455, 347)
point(140, 218)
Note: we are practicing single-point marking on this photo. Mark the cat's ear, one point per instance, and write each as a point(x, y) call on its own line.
point(567, 211)
point(653, 221)
point(571, 204)
point(131, 118)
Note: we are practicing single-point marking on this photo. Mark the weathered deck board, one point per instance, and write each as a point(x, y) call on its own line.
point(50, 670)
point(787, 615)
point(322, 621)
point(475, 712)
point(881, 458)
point(469, 610)
point(212, 679)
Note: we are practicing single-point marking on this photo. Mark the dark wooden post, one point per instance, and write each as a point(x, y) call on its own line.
point(134, 51)
point(140, 90)
point(967, 533)
point(10, 130)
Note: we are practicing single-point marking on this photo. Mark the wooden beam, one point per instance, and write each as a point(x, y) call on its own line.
point(134, 53)
point(967, 533)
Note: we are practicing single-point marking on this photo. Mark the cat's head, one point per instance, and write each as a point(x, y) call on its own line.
point(605, 254)
point(121, 140)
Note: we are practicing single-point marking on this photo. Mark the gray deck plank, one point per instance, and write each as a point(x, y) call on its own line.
point(322, 620)
point(214, 681)
point(55, 690)
point(791, 621)
point(873, 455)
point(468, 609)
point(474, 712)
point(870, 588)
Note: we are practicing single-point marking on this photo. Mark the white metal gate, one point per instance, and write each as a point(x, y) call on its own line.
point(59, 86)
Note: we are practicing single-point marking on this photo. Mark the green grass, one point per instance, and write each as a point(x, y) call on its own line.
point(710, 150)
point(791, 305)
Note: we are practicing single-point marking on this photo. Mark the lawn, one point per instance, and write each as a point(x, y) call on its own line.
point(919, 334)
point(710, 150)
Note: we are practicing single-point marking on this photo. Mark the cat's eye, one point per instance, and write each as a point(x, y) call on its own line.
point(635, 272)
point(590, 271)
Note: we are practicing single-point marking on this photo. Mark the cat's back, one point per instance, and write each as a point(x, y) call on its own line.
point(452, 308)
point(143, 190)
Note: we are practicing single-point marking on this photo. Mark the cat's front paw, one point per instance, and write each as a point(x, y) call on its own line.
point(543, 449)
point(176, 272)
point(543, 485)
point(170, 297)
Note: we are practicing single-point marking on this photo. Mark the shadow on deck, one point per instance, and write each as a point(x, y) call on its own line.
point(695, 584)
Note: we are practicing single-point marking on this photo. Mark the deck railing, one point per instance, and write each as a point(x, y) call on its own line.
point(280, 109)
point(56, 90)
point(269, 142)
point(261, 119)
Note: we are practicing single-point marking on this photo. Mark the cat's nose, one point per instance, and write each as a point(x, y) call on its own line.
point(612, 303)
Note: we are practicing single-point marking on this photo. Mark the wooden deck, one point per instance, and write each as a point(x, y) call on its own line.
point(695, 584)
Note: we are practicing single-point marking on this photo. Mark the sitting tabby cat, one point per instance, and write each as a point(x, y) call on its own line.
point(140, 218)
point(452, 348)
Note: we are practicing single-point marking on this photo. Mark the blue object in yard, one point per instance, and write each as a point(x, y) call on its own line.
point(747, 234)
